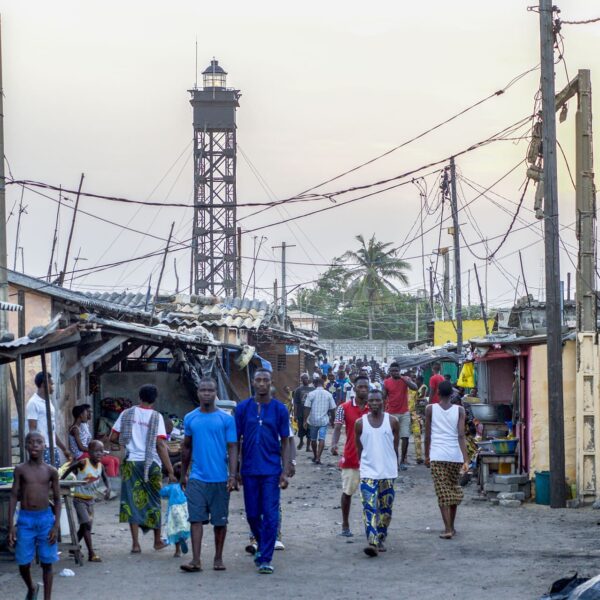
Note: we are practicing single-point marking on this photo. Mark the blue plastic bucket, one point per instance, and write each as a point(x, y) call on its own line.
point(542, 487)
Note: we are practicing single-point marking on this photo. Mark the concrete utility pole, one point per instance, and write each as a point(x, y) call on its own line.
point(552, 258)
point(446, 256)
point(456, 234)
point(5, 432)
point(587, 413)
point(283, 247)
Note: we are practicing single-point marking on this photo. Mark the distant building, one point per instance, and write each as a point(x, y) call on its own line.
point(304, 321)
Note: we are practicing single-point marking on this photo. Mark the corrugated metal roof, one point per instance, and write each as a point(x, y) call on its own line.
point(85, 300)
point(183, 310)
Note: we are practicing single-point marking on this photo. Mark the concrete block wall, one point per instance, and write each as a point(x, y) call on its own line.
point(380, 349)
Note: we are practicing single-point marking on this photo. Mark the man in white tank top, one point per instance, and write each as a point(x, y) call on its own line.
point(377, 435)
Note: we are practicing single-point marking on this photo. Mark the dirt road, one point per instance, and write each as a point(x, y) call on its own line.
point(499, 553)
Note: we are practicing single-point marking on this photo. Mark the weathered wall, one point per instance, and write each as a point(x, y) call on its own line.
point(286, 367)
point(539, 409)
point(38, 311)
point(380, 349)
point(173, 397)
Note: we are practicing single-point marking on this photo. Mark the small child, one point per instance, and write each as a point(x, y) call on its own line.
point(178, 526)
point(90, 471)
point(37, 525)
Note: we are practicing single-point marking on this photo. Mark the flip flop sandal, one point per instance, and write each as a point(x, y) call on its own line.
point(371, 551)
point(219, 568)
point(190, 568)
point(266, 569)
point(136, 551)
point(94, 558)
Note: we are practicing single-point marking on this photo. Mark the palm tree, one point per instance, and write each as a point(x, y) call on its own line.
point(375, 267)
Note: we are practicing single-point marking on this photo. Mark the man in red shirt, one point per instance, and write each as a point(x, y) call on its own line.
point(395, 401)
point(434, 382)
point(347, 414)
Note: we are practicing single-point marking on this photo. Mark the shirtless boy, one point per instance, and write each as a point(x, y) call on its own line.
point(37, 527)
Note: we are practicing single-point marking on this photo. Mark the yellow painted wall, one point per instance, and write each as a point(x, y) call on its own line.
point(539, 409)
point(443, 331)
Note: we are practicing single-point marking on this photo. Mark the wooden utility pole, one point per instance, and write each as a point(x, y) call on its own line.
point(162, 270)
point(481, 303)
point(456, 236)
point(5, 431)
point(55, 238)
point(21, 211)
point(552, 259)
point(61, 277)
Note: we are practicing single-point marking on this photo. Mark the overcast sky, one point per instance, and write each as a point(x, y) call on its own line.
point(101, 88)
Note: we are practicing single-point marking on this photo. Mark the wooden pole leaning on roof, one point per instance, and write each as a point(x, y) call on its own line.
point(61, 277)
point(481, 303)
point(48, 409)
point(162, 270)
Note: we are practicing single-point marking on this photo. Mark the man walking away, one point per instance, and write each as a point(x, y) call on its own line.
point(300, 394)
point(395, 397)
point(263, 430)
point(210, 444)
point(35, 413)
point(318, 406)
point(434, 382)
point(347, 414)
point(376, 435)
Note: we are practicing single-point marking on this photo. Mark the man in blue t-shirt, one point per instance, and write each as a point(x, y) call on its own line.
point(263, 428)
point(210, 444)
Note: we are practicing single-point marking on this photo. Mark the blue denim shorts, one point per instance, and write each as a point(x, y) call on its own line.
point(317, 433)
point(207, 502)
point(33, 528)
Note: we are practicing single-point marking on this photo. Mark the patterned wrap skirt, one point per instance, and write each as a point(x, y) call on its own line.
point(140, 500)
point(446, 476)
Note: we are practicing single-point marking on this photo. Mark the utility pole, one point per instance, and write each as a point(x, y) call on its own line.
point(238, 280)
point(481, 304)
point(55, 238)
point(21, 211)
point(162, 270)
point(446, 255)
point(457, 282)
point(433, 315)
point(416, 319)
point(587, 408)
point(61, 277)
point(176, 276)
point(283, 247)
point(5, 432)
point(551, 240)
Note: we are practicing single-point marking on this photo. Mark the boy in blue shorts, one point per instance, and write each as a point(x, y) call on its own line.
point(37, 526)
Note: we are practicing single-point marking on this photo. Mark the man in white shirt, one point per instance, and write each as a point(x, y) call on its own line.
point(319, 406)
point(37, 420)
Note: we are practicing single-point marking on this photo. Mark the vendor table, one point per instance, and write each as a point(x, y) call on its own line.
point(490, 458)
point(66, 494)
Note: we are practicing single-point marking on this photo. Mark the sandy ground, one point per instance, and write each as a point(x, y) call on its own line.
point(499, 553)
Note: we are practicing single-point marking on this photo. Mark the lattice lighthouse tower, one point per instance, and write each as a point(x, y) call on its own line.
point(214, 249)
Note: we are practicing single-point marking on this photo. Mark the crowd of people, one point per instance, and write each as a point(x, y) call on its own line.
point(377, 405)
